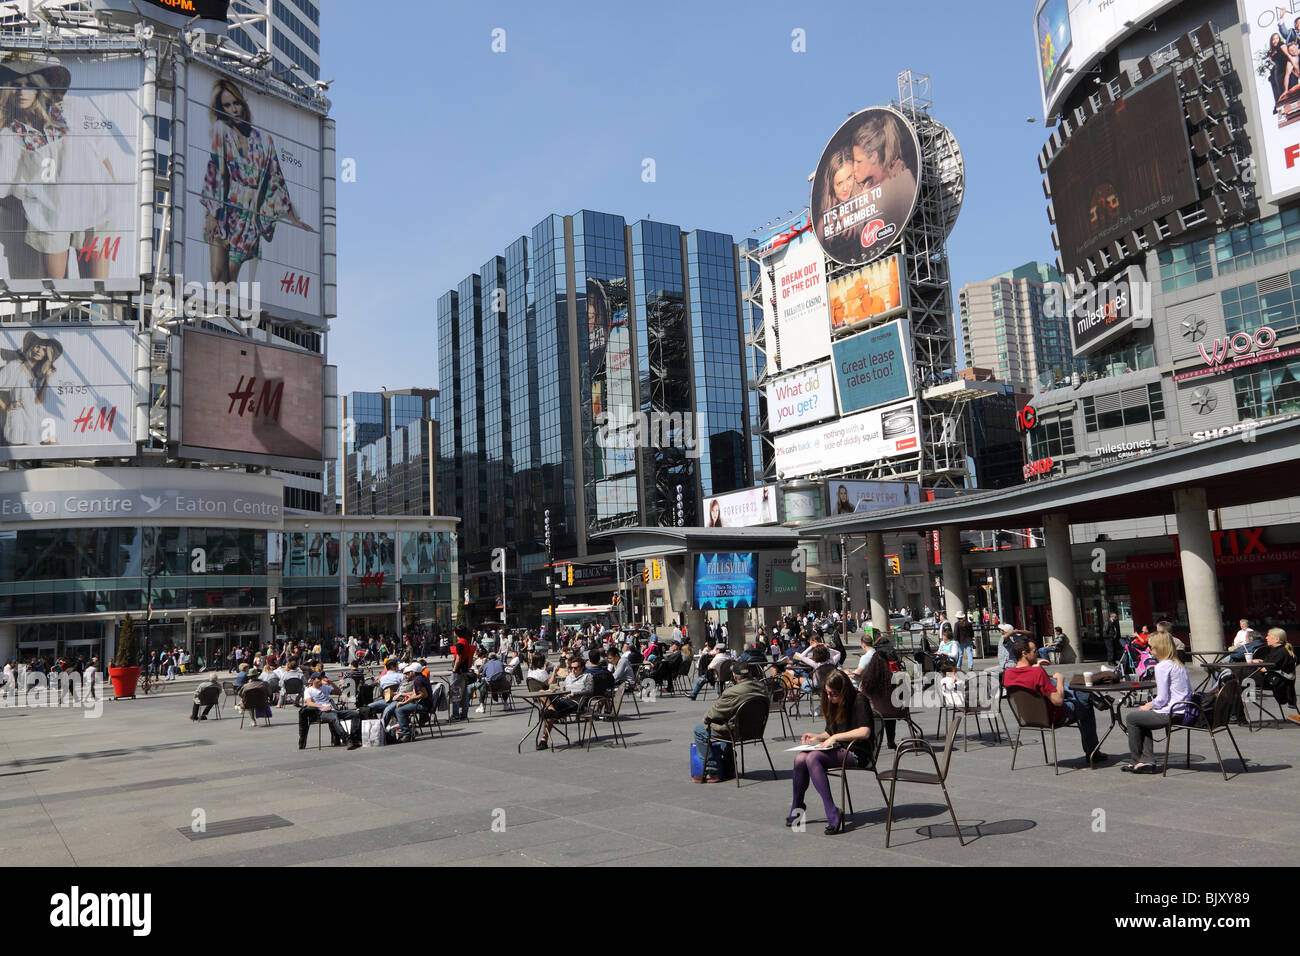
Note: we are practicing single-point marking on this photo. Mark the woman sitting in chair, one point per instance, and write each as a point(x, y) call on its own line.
point(1278, 658)
point(848, 724)
point(1172, 687)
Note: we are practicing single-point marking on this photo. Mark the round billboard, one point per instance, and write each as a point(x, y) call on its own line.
point(866, 186)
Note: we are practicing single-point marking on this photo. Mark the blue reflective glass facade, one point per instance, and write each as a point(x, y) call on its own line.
point(575, 387)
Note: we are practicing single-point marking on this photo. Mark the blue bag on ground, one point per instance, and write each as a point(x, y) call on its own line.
point(722, 758)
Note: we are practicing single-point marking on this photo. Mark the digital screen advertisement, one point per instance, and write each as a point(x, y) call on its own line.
point(801, 399)
point(243, 401)
point(872, 292)
point(253, 195)
point(872, 368)
point(1098, 189)
point(66, 391)
point(69, 153)
point(779, 584)
point(724, 581)
point(866, 186)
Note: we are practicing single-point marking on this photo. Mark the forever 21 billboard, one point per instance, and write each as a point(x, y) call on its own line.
point(248, 402)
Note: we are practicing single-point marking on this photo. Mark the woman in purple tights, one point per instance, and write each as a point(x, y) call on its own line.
point(848, 725)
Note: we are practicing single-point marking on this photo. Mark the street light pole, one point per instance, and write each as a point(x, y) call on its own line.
point(550, 574)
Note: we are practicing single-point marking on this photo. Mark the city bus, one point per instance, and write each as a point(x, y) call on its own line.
point(576, 615)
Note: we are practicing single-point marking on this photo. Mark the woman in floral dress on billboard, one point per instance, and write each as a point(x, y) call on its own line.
point(244, 192)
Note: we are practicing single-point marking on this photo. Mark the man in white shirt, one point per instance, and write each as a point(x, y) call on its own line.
point(316, 706)
point(88, 678)
point(10, 678)
point(1245, 643)
point(723, 654)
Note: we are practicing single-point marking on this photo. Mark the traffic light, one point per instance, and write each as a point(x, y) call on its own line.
point(614, 601)
point(895, 566)
point(645, 575)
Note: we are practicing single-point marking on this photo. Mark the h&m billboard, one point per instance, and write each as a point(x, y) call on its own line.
point(248, 402)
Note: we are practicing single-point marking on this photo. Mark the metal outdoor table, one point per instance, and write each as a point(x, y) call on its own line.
point(1207, 660)
point(537, 700)
point(1108, 692)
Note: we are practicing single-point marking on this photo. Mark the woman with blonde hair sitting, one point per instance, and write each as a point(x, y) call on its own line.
point(1172, 687)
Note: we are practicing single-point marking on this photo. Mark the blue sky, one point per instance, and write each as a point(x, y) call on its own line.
point(459, 150)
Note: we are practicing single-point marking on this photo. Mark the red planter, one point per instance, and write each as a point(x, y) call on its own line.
point(124, 680)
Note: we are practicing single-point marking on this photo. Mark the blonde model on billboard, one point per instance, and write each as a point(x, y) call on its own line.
point(878, 163)
point(24, 382)
point(58, 178)
point(837, 187)
point(244, 192)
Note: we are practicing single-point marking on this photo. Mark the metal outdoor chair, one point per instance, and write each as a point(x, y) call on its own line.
point(843, 770)
point(1278, 684)
point(259, 698)
point(229, 688)
point(776, 695)
point(748, 726)
point(987, 688)
point(896, 775)
point(292, 688)
point(1030, 710)
point(606, 709)
point(1218, 722)
point(497, 692)
point(210, 696)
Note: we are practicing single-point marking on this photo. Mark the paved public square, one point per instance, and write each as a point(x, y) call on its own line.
point(119, 790)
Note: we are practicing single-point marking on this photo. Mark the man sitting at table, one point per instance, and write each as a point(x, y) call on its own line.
point(577, 687)
point(316, 706)
point(1246, 644)
point(1064, 706)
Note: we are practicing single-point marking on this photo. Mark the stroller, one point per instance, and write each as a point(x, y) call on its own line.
point(1137, 662)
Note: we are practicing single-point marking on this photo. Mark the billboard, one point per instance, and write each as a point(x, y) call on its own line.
point(770, 340)
point(872, 292)
point(253, 196)
point(208, 14)
point(854, 441)
point(1070, 35)
point(371, 552)
point(1271, 28)
point(803, 334)
point(801, 399)
point(742, 509)
point(724, 581)
point(847, 497)
point(312, 554)
point(779, 585)
point(866, 186)
point(69, 173)
point(243, 401)
point(67, 391)
point(1110, 312)
point(1100, 191)
point(873, 367)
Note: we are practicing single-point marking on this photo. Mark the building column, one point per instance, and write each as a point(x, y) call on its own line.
point(737, 628)
point(954, 579)
point(1060, 577)
point(1200, 582)
point(855, 579)
point(877, 583)
point(771, 621)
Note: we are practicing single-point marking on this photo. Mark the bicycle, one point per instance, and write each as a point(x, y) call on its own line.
point(148, 684)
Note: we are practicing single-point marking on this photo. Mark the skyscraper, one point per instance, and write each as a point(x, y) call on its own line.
point(1004, 327)
point(590, 371)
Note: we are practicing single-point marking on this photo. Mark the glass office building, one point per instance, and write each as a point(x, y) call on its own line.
point(589, 372)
